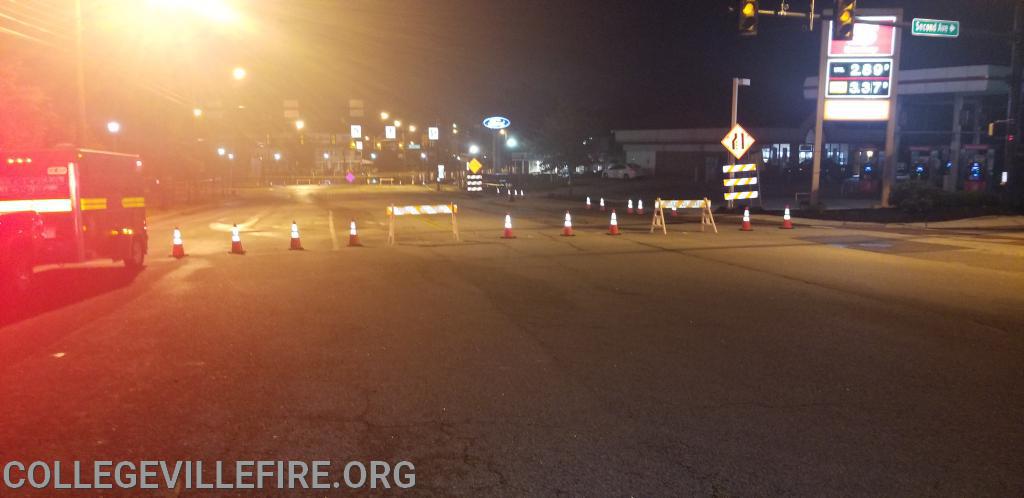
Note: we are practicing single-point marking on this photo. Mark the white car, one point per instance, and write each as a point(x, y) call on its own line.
point(623, 172)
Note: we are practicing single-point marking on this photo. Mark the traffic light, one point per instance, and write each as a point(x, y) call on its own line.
point(748, 17)
point(842, 28)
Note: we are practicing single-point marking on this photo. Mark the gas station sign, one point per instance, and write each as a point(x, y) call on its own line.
point(859, 78)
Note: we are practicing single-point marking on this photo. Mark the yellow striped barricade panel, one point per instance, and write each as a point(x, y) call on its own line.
point(733, 182)
point(738, 168)
point(732, 196)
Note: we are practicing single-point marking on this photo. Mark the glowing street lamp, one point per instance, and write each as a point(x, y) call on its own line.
point(300, 124)
point(197, 112)
point(384, 115)
point(239, 73)
point(221, 151)
point(474, 149)
point(231, 156)
point(423, 155)
point(412, 128)
point(277, 156)
point(398, 124)
point(511, 142)
point(114, 127)
point(326, 156)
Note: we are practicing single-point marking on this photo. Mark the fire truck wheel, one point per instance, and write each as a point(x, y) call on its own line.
point(18, 278)
point(136, 257)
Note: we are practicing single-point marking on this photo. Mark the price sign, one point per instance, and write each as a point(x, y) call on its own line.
point(859, 78)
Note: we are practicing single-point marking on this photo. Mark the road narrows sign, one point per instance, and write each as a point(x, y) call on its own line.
point(738, 141)
point(474, 166)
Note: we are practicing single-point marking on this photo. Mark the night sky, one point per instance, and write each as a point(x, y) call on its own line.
point(626, 63)
point(650, 63)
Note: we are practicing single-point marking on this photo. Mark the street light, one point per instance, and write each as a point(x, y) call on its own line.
point(373, 155)
point(423, 155)
point(384, 116)
point(239, 73)
point(474, 149)
point(221, 151)
point(326, 156)
point(114, 127)
point(398, 124)
point(197, 112)
point(299, 124)
point(231, 156)
point(511, 142)
point(277, 156)
point(412, 128)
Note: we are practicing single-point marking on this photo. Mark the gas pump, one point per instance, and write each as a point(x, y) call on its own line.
point(978, 168)
point(868, 180)
point(926, 165)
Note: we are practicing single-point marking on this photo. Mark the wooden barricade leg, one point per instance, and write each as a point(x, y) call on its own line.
point(658, 219)
point(455, 221)
point(391, 225)
point(710, 215)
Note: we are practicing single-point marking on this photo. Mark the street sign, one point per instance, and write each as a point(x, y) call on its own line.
point(440, 172)
point(935, 27)
point(738, 141)
point(389, 132)
point(433, 133)
point(474, 166)
point(356, 131)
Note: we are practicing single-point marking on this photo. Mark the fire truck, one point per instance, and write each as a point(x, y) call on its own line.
point(69, 205)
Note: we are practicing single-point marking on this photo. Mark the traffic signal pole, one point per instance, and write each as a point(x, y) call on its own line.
point(1010, 164)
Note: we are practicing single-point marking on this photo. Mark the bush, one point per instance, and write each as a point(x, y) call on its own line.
point(918, 197)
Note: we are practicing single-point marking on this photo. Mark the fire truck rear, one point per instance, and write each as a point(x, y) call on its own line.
point(69, 205)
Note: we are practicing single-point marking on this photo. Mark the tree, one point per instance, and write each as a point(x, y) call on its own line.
point(562, 133)
point(27, 116)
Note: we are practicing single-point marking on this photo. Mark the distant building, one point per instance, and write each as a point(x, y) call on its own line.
point(941, 135)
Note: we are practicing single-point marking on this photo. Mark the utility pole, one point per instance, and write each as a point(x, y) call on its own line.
point(1015, 170)
point(82, 128)
point(736, 84)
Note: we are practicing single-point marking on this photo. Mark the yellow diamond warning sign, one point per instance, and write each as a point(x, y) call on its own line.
point(738, 141)
point(474, 166)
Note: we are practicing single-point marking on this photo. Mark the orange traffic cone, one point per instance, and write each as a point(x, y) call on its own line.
point(567, 229)
point(177, 246)
point(507, 234)
point(640, 206)
point(236, 241)
point(602, 204)
point(353, 237)
point(629, 207)
point(296, 244)
point(588, 202)
point(613, 227)
point(746, 220)
point(787, 223)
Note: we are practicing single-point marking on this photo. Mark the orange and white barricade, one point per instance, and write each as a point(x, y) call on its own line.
point(706, 216)
point(422, 210)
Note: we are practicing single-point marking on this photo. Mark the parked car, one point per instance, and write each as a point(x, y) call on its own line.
point(624, 172)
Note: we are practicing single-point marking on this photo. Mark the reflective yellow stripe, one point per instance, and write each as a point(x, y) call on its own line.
point(37, 205)
point(94, 204)
point(133, 202)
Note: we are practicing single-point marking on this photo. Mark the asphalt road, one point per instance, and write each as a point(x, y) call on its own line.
point(817, 361)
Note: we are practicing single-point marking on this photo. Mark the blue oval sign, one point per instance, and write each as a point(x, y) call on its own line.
point(497, 122)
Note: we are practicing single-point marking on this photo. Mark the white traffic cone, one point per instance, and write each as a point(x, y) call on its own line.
point(567, 227)
point(296, 243)
point(507, 234)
